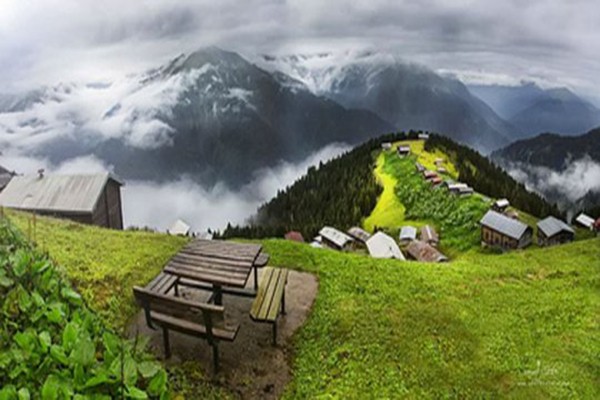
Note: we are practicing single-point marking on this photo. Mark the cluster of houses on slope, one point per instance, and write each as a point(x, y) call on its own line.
point(500, 227)
point(379, 244)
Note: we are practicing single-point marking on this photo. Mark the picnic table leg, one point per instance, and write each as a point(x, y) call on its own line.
point(215, 350)
point(218, 295)
point(166, 343)
point(255, 277)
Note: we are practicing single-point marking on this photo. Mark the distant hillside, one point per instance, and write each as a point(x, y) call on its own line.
point(552, 150)
point(344, 191)
point(532, 110)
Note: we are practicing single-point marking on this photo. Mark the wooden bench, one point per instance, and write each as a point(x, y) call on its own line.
point(193, 318)
point(163, 283)
point(270, 299)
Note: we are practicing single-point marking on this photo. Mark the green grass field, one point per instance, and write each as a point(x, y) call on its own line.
point(103, 265)
point(520, 325)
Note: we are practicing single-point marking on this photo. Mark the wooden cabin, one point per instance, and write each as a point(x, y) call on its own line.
point(294, 236)
point(386, 146)
point(500, 205)
point(419, 167)
point(335, 239)
point(552, 231)
point(585, 221)
point(5, 177)
point(89, 199)
point(429, 174)
point(498, 230)
point(423, 252)
point(179, 228)
point(423, 136)
point(408, 234)
point(359, 234)
point(381, 245)
point(403, 150)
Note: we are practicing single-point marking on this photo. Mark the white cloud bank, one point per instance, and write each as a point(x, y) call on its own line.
point(579, 178)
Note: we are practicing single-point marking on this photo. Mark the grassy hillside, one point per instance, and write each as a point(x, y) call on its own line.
point(103, 265)
point(514, 325)
point(523, 324)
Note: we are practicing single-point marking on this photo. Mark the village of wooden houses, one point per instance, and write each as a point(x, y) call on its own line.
point(265, 290)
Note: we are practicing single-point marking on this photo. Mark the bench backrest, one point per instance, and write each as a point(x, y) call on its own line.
point(205, 314)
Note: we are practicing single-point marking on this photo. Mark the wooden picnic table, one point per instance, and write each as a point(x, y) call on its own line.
point(217, 263)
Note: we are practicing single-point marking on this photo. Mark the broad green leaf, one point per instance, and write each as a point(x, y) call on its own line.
point(58, 354)
point(135, 393)
point(69, 336)
point(129, 372)
point(84, 351)
point(23, 394)
point(5, 281)
point(54, 315)
point(148, 368)
point(20, 262)
point(50, 388)
point(25, 301)
point(45, 340)
point(112, 343)
point(71, 295)
point(158, 384)
point(37, 299)
point(26, 340)
point(8, 392)
point(96, 380)
point(79, 375)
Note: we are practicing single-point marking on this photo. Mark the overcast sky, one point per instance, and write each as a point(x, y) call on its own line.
point(556, 42)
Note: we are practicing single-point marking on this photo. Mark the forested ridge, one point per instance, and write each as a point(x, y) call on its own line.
point(344, 191)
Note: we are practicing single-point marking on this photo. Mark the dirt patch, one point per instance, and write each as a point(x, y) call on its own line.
point(250, 366)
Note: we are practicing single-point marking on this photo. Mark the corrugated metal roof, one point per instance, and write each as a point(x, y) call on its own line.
point(424, 252)
point(179, 227)
point(381, 245)
point(585, 220)
point(502, 203)
point(338, 238)
point(428, 234)
point(359, 233)
point(65, 193)
point(551, 226)
point(503, 224)
point(408, 233)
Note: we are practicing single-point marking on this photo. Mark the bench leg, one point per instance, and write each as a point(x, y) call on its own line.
point(283, 302)
point(176, 286)
point(166, 343)
point(218, 295)
point(215, 350)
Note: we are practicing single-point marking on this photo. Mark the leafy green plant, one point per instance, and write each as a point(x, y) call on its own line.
point(52, 346)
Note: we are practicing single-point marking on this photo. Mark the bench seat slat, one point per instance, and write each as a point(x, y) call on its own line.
point(193, 329)
point(262, 291)
point(276, 303)
point(162, 283)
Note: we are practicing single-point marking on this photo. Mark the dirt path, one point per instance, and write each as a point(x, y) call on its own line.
point(250, 366)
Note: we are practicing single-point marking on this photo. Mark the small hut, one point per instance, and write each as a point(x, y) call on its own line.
point(359, 234)
point(294, 236)
point(381, 245)
point(179, 228)
point(335, 239)
point(553, 231)
point(429, 235)
point(423, 136)
point(423, 252)
point(437, 180)
point(386, 146)
point(419, 167)
point(408, 234)
point(90, 199)
point(585, 221)
point(501, 231)
point(501, 205)
point(403, 150)
point(429, 174)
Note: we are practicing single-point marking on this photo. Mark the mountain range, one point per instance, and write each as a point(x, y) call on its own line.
point(218, 117)
point(532, 110)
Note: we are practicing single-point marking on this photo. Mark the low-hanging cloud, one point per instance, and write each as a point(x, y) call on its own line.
point(203, 208)
point(567, 186)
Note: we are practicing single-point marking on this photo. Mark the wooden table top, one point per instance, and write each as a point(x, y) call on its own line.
point(215, 262)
